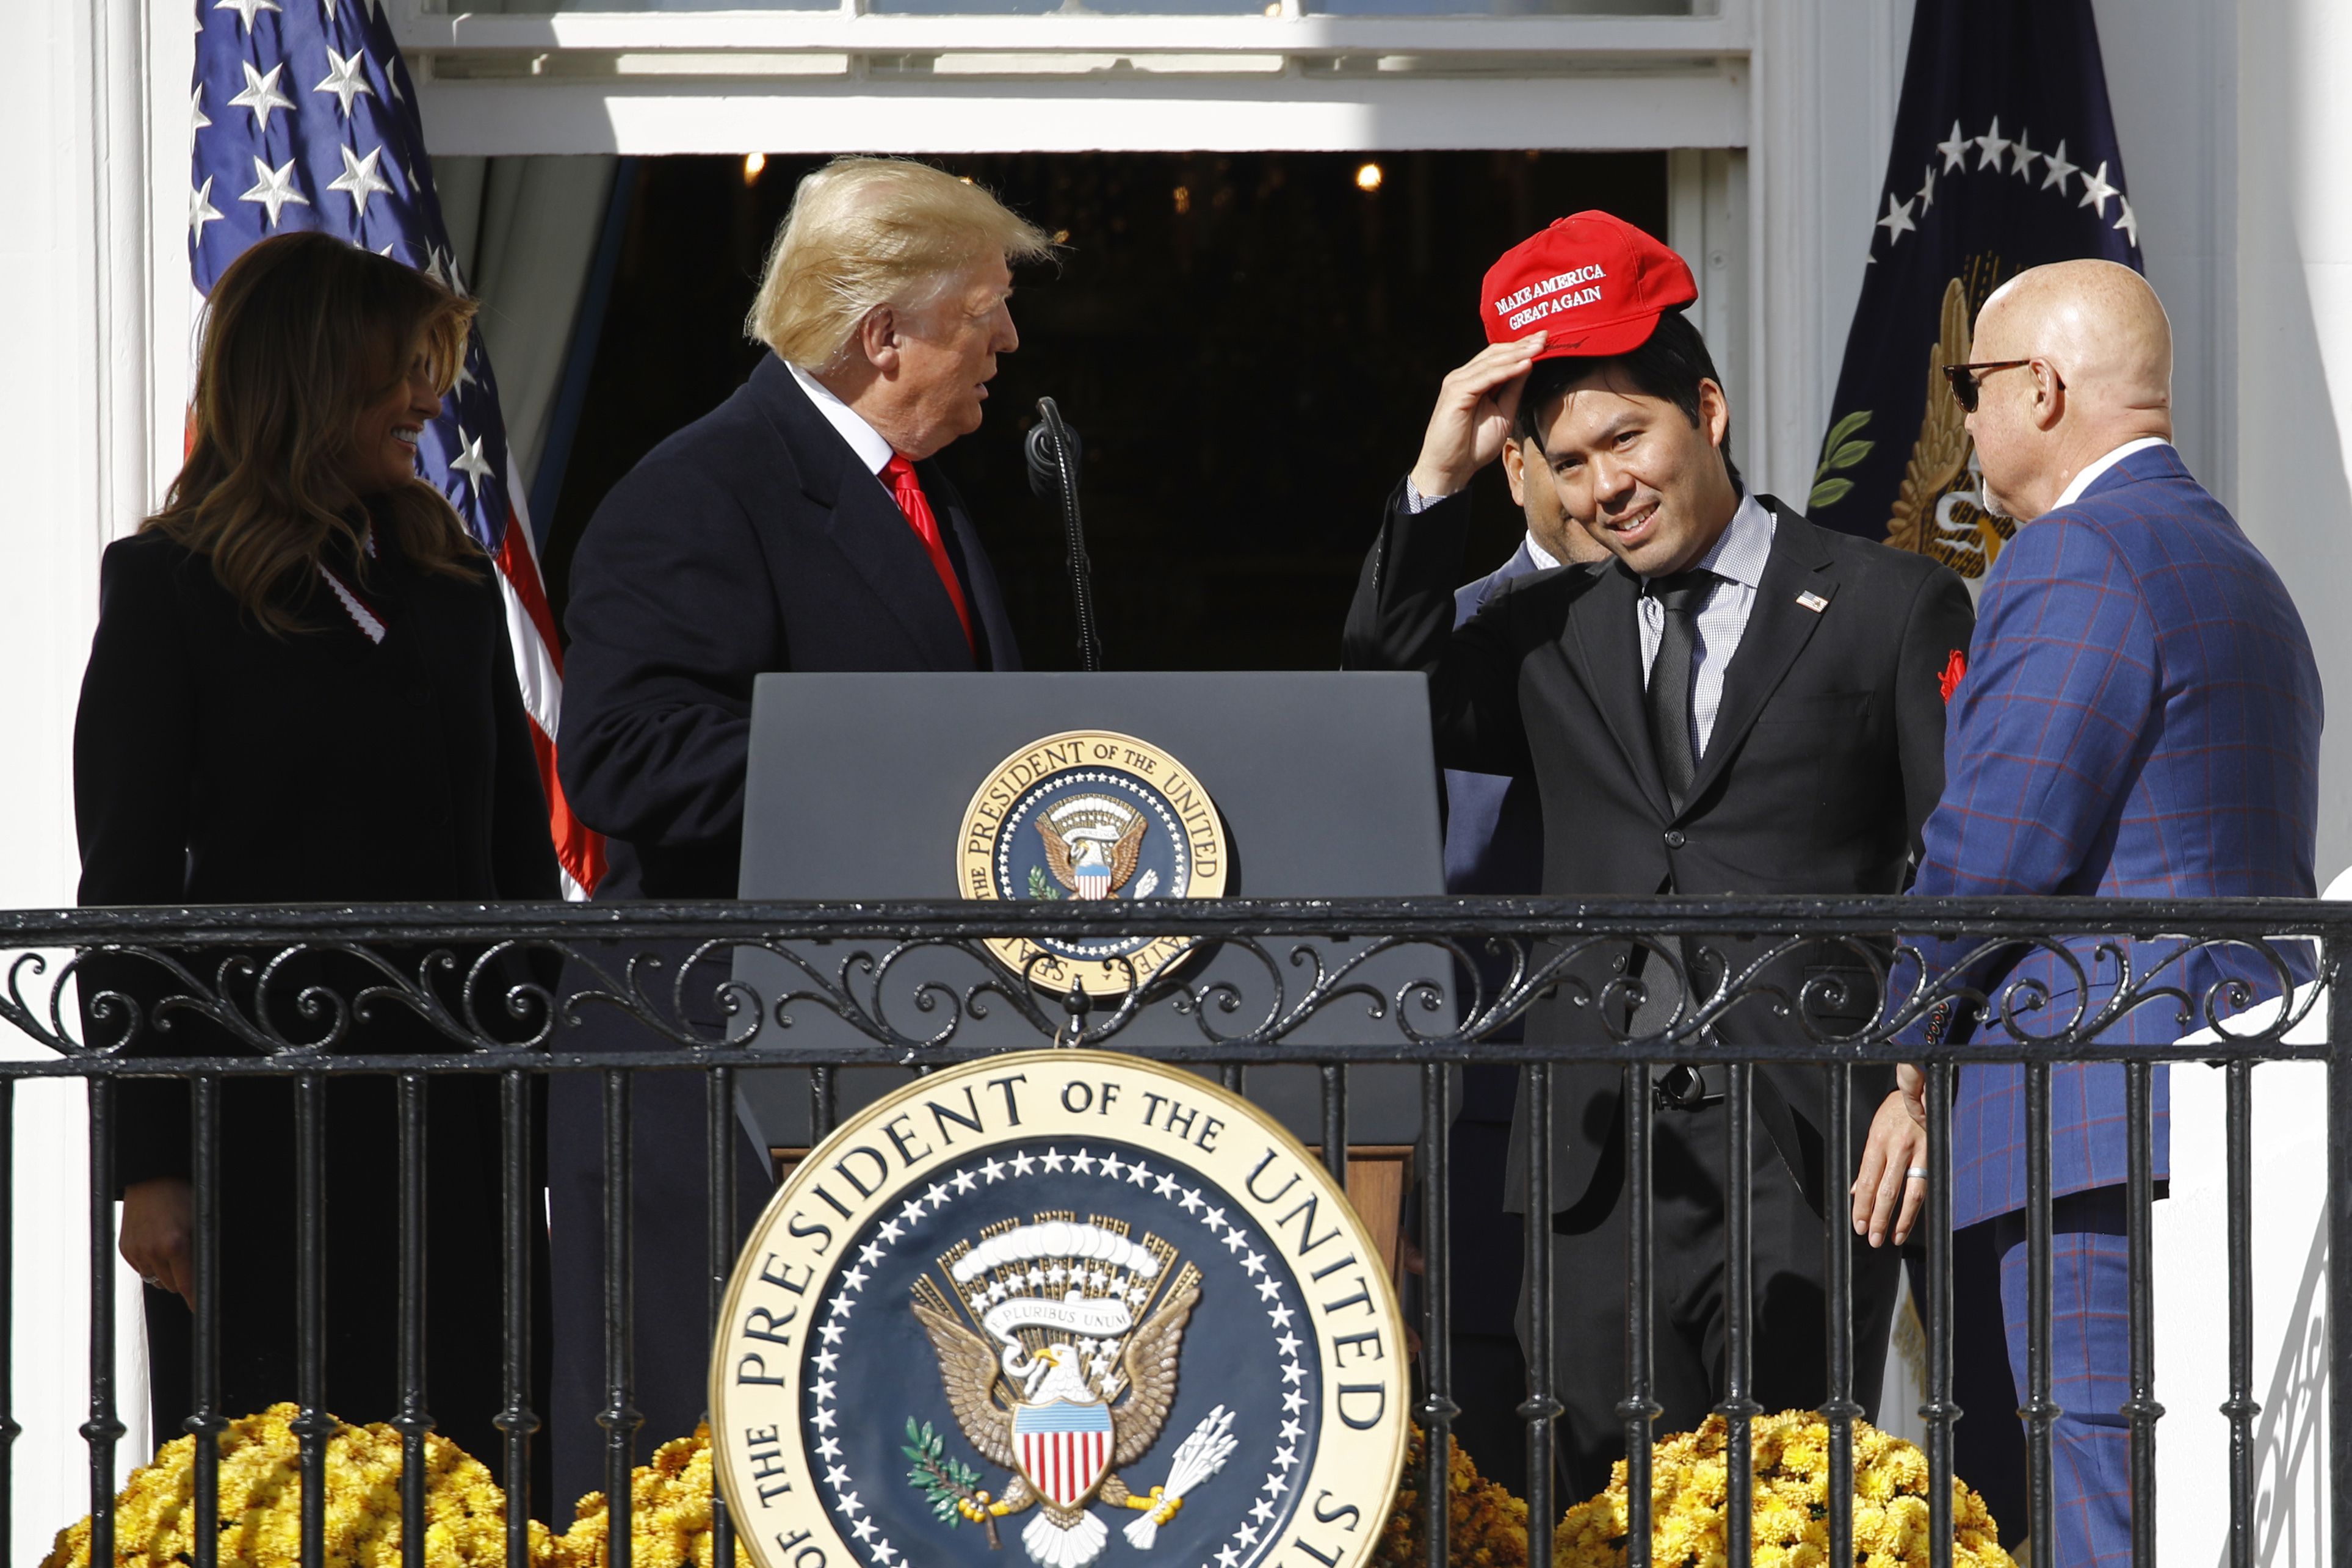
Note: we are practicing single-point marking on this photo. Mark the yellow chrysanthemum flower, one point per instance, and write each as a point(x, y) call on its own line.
point(669, 1515)
point(1789, 1503)
point(261, 1503)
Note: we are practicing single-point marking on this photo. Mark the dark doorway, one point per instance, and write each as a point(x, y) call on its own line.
point(1248, 343)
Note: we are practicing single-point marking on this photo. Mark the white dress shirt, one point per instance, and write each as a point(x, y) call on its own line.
point(863, 438)
point(1737, 557)
point(1545, 561)
point(2091, 471)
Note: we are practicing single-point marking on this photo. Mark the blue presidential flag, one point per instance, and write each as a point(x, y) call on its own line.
point(2004, 157)
point(305, 118)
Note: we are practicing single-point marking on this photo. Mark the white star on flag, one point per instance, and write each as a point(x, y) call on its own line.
point(359, 179)
point(2127, 221)
point(469, 460)
point(1955, 150)
point(346, 78)
point(2060, 172)
point(1926, 197)
point(261, 94)
point(273, 188)
point(1990, 146)
point(2095, 191)
point(201, 210)
point(201, 119)
point(2022, 157)
point(245, 8)
point(1897, 221)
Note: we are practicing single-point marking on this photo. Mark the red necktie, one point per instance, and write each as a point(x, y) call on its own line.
point(907, 491)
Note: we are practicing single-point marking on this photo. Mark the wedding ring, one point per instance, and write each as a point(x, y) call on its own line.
point(1916, 1173)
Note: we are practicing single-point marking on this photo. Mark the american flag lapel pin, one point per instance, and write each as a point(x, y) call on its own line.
point(1814, 601)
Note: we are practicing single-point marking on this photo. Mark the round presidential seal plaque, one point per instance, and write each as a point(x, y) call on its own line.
point(1090, 814)
point(1063, 1308)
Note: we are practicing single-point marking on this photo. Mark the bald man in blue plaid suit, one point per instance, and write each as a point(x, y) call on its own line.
point(2138, 717)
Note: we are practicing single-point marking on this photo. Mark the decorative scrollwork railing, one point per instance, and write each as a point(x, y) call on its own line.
point(416, 990)
point(2046, 977)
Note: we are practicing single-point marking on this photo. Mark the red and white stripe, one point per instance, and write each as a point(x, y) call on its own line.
point(1065, 1466)
point(539, 669)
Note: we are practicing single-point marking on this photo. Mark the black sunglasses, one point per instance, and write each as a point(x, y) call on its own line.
point(1966, 381)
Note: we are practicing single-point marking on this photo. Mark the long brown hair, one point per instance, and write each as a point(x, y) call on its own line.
point(302, 333)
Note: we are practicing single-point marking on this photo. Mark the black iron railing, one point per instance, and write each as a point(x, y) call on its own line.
point(499, 985)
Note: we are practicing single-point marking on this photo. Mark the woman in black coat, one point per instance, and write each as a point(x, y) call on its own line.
point(301, 691)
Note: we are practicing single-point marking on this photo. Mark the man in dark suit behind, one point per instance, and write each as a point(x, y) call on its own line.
point(805, 524)
point(1741, 703)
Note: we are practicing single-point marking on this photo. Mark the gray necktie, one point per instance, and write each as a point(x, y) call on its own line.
point(1669, 696)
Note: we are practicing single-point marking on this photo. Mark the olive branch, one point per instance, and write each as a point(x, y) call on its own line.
point(1839, 453)
point(1039, 887)
point(944, 1479)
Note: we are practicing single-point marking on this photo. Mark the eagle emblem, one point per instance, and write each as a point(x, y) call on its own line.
point(1057, 1342)
point(1939, 512)
point(1091, 815)
point(1092, 842)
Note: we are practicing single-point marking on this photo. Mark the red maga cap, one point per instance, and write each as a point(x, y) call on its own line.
point(1596, 283)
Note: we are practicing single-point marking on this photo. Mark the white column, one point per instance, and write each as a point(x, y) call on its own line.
point(2292, 222)
point(1827, 73)
point(77, 260)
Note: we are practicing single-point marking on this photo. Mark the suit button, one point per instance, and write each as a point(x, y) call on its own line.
point(1674, 839)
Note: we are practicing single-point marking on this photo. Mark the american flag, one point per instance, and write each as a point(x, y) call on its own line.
point(305, 118)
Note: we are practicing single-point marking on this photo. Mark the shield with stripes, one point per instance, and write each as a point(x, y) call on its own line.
point(1064, 1448)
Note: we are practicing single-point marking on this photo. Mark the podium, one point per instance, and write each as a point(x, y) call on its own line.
point(1326, 781)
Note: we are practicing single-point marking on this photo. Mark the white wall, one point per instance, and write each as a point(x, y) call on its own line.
point(75, 259)
point(2292, 340)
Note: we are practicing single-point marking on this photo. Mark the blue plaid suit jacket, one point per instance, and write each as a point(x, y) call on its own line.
point(2139, 719)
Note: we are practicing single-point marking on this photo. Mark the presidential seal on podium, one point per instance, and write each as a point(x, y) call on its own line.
point(1069, 1305)
point(1091, 815)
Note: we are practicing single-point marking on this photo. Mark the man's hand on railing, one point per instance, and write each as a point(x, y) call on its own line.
point(1893, 1182)
point(158, 1234)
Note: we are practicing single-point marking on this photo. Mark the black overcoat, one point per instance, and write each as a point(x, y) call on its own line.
point(753, 540)
point(217, 763)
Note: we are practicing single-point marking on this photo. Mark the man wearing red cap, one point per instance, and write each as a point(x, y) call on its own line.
point(1738, 702)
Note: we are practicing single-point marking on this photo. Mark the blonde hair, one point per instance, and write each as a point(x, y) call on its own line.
point(869, 232)
point(301, 334)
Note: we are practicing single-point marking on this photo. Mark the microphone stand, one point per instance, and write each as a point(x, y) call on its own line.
point(1054, 457)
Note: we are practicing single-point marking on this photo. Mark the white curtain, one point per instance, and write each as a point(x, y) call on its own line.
point(524, 231)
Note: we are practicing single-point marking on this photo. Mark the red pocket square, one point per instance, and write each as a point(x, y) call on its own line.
point(1954, 668)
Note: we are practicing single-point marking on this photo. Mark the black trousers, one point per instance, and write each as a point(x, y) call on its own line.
point(1590, 1313)
point(669, 1345)
point(1489, 1373)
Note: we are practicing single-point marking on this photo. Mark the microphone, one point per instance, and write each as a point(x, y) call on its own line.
point(1045, 464)
point(1054, 452)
